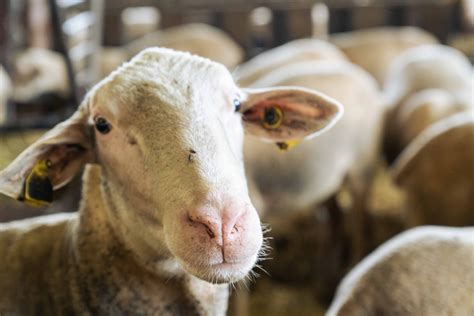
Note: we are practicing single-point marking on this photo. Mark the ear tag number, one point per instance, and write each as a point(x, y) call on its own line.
point(38, 188)
point(272, 117)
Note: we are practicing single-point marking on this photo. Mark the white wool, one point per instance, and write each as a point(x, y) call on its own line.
point(421, 239)
point(429, 66)
point(315, 169)
point(428, 135)
point(296, 51)
point(374, 49)
point(197, 38)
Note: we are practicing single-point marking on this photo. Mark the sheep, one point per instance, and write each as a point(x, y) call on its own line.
point(5, 93)
point(429, 67)
point(33, 69)
point(421, 110)
point(436, 171)
point(197, 38)
point(292, 52)
point(375, 49)
point(312, 172)
point(165, 220)
point(423, 271)
point(418, 69)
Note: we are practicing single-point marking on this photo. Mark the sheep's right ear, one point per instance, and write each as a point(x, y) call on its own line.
point(49, 163)
point(287, 115)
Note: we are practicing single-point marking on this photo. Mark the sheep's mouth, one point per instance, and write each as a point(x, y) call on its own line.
point(222, 272)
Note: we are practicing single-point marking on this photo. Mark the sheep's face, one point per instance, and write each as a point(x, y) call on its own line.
point(169, 139)
point(168, 134)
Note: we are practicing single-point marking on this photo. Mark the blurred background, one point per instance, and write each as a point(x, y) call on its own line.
point(53, 51)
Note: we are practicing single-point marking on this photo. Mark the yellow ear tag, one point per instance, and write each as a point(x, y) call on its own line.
point(288, 144)
point(272, 117)
point(38, 188)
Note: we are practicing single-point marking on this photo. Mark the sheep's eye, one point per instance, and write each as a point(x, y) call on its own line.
point(272, 117)
point(237, 105)
point(102, 125)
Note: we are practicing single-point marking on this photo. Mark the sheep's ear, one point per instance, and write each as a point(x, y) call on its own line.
point(287, 115)
point(49, 163)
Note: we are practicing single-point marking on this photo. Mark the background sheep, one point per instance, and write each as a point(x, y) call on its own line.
point(32, 75)
point(424, 271)
point(436, 171)
point(197, 38)
point(312, 172)
point(425, 67)
point(375, 49)
point(423, 109)
point(429, 67)
point(292, 52)
point(144, 240)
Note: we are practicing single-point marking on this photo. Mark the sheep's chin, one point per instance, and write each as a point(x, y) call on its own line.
point(221, 272)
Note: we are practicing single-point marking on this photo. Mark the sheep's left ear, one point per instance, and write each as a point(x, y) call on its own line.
point(49, 163)
point(287, 115)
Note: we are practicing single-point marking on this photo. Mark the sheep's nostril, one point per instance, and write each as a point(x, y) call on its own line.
point(207, 226)
point(235, 229)
point(209, 231)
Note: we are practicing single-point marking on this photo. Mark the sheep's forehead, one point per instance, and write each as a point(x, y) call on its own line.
point(167, 79)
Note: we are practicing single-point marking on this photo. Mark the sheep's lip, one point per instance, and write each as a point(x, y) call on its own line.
point(227, 265)
point(223, 272)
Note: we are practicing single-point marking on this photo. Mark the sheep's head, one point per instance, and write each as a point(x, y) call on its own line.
point(167, 130)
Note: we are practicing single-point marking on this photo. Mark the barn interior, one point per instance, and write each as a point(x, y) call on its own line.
point(52, 52)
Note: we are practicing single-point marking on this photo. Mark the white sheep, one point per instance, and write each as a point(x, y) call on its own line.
point(165, 219)
point(429, 67)
point(312, 172)
point(38, 71)
point(420, 68)
point(375, 49)
point(423, 271)
point(5, 93)
point(197, 38)
point(296, 51)
point(421, 110)
point(436, 171)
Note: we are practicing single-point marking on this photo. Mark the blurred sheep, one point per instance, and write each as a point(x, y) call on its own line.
point(423, 271)
point(292, 52)
point(315, 170)
point(418, 69)
point(429, 67)
point(196, 38)
point(436, 171)
point(421, 110)
point(38, 72)
point(374, 49)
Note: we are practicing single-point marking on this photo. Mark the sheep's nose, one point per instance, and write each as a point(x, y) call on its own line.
point(222, 229)
point(229, 233)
